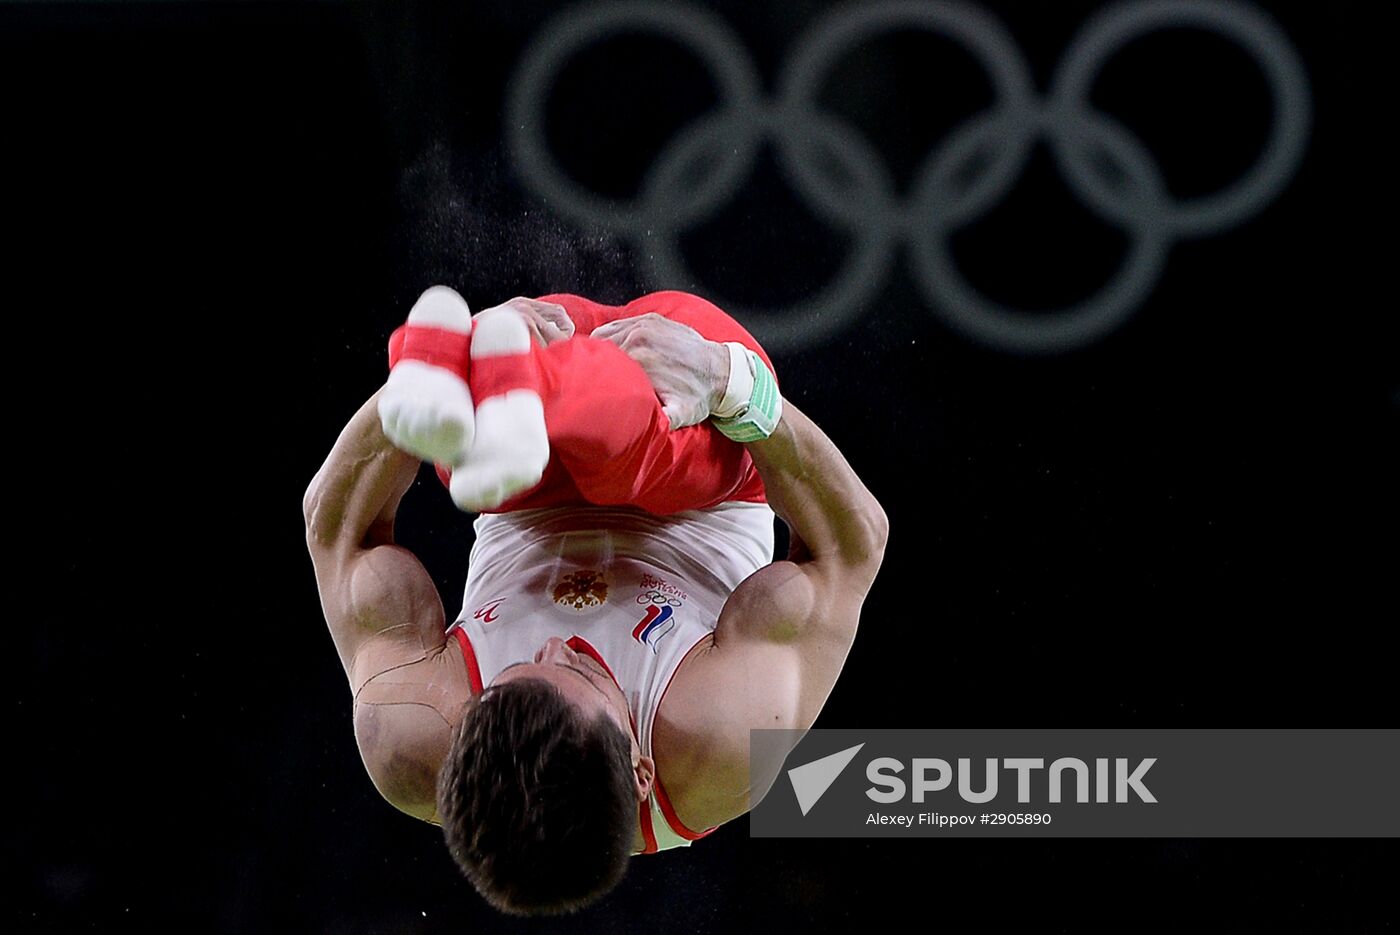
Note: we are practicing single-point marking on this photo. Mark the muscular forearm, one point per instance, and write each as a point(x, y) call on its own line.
point(353, 497)
point(814, 490)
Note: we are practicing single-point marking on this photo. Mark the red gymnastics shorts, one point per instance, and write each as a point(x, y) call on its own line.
point(610, 442)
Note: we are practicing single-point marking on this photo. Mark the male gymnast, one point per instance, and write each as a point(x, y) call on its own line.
point(624, 626)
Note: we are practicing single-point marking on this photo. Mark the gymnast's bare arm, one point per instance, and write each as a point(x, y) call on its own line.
point(784, 633)
point(384, 612)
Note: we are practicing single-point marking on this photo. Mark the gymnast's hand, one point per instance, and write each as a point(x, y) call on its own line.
point(688, 371)
point(547, 322)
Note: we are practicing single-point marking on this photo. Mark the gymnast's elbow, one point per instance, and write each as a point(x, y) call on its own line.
point(862, 546)
point(875, 531)
point(323, 516)
point(401, 746)
point(311, 513)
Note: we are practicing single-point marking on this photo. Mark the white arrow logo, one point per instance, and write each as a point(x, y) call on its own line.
point(811, 780)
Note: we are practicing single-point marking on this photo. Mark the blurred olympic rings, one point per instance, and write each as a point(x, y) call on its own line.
point(974, 168)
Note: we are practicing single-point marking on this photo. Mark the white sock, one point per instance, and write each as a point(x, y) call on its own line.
point(511, 447)
point(426, 409)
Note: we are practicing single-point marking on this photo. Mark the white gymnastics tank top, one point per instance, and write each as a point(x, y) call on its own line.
point(634, 590)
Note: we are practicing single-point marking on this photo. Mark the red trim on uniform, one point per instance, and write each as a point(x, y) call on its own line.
point(672, 819)
point(666, 810)
point(469, 654)
point(580, 645)
point(648, 832)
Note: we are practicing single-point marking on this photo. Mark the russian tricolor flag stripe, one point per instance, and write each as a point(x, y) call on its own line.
point(654, 618)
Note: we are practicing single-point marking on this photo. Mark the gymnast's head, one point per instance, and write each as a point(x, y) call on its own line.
point(538, 795)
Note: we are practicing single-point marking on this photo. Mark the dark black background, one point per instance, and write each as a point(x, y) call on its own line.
point(216, 214)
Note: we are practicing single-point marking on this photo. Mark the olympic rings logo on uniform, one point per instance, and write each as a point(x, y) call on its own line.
point(973, 169)
point(656, 597)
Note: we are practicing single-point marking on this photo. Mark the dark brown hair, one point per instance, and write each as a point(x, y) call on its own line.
point(537, 804)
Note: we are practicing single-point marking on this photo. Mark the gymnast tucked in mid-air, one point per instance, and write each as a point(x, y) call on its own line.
point(624, 625)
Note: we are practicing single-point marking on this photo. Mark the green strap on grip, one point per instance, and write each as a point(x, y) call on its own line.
point(759, 418)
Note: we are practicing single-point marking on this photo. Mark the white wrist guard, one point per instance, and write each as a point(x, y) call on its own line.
point(740, 388)
point(751, 406)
